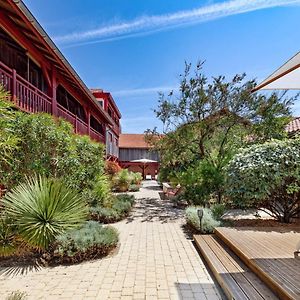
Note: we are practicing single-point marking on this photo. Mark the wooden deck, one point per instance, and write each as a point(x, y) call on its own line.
point(235, 278)
point(269, 253)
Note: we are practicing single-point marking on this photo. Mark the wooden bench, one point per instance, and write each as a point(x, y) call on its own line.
point(234, 277)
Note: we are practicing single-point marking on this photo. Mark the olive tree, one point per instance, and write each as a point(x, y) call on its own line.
point(209, 119)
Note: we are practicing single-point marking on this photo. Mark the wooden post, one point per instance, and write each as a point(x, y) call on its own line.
point(53, 92)
point(76, 126)
point(14, 86)
point(88, 115)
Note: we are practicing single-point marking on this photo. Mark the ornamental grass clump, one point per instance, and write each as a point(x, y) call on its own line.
point(136, 178)
point(92, 240)
point(208, 221)
point(122, 180)
point(42, 208)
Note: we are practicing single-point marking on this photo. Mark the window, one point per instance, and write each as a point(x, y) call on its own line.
point(101, 102)
point(96, 125)
point(109, 111)
point(70, 103)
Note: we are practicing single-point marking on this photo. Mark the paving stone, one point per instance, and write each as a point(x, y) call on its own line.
point(155, 261)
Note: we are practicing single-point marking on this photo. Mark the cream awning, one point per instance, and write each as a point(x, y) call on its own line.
point(287, 77)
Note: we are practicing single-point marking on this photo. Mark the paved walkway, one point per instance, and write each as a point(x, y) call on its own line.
point(156, 260)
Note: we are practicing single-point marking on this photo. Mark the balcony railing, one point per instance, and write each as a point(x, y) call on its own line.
point(32, 100)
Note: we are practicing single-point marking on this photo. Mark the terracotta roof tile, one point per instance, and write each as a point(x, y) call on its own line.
point(293, 126)
point(133, 141)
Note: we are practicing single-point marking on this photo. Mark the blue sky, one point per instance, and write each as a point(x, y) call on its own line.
point(135, 48)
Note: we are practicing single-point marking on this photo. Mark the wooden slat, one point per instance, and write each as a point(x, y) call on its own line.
point(229, 286)
point(233, 276)
point(233, 270)
point(263, 292)
point(269, 253)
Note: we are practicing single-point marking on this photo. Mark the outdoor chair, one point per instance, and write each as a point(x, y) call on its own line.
point(172, 193)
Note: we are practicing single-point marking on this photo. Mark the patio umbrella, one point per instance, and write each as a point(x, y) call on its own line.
point(143, 161)
point(287, 77)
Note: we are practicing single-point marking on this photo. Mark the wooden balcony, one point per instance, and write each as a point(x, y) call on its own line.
point(32, 100)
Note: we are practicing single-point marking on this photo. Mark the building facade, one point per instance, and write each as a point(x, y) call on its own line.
point(40, 79)
point(132, 148)
point(113, 131)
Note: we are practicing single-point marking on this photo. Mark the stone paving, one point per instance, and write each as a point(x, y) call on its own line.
point(156, 260)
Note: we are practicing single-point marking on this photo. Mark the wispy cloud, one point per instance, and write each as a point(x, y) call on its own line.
point(146, 24)
point(143, 91)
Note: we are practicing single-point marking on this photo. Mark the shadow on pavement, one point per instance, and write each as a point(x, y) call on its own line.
point(153, 209)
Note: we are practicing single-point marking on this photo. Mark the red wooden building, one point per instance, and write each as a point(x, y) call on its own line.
point(133, 150)
point(113, 131)
point(40, 79)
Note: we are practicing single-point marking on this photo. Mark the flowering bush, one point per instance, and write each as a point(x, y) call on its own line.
point(267, 176)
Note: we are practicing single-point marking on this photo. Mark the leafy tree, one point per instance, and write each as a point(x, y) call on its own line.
point(211, 119)
point(267, 176)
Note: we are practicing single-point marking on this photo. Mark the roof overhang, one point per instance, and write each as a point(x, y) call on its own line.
point(20, 15)
point(287, 77)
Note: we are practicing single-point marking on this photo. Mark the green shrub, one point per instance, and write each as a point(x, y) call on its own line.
point(101, 190)
point(136, 178)
point(202, 182)
point(41, 144)
point(84, 164)
point(163, 175)
point(90, 241)
point(104, 214)
point(134, 188)
point(42, 208)
point(8, 141)
point(218, 211)
point(122, 207)
point(126, 197)
point(208, 221)
point(119, 209)
point(122, 180)
point(267, 176)
point(8, 243)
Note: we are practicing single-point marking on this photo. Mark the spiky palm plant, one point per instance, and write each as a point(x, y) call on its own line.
point(43, 208)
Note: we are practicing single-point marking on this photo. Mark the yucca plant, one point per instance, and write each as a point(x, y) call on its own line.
point(42, 209)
